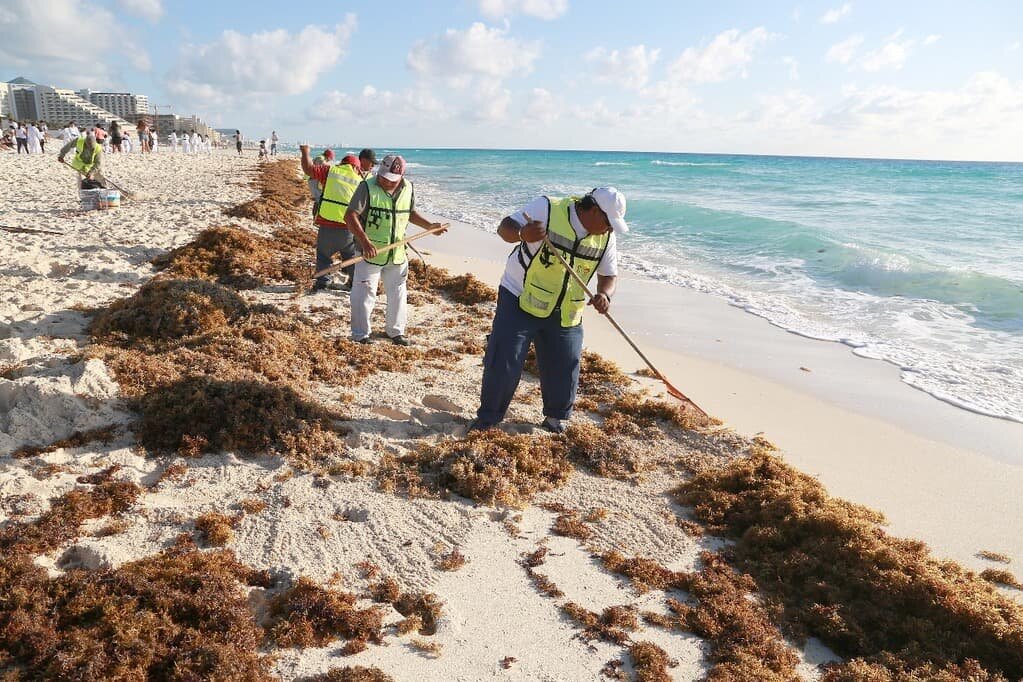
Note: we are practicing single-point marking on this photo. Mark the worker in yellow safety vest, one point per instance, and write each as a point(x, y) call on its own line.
point(87, 160)
point(378, 213)
point(337, 185)
point(540, 303)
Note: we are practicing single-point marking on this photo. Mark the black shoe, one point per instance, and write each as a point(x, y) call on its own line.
point(400, 340)
point(477, 425)
point(553, 425)
point(318, 285)
point(365, 340)
point(339, 286)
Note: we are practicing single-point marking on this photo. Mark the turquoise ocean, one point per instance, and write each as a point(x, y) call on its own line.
point(918, 263)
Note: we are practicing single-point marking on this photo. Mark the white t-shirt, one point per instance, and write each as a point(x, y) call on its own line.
point(515, 274)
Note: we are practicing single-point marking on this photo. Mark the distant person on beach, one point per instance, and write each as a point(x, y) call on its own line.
point(43, 131)
point(273, 143)
point(21, 135)
point(115, 137)
point(88, 158)
point(34, 138)
point(324, 158)
point(262, 151)
point(333, 187)
point(538, 301)
point(173, 139)
point(238, 141)
point(377, 215)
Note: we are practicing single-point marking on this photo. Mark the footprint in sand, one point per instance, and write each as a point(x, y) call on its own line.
point(396, 415)
point(439, 402)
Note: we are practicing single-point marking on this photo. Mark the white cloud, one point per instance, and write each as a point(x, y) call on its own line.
point(793, 65)
point(151, 10)
point(988, 105)
point(834, 15)
point(542, 9)
point(844, 51)
point(891, 55)
point(271, 62)
point(629, 68)
point(725, 57)
point(490, 101)
point(542, 106)
point(457, 56)
point(406, 106)
point(792, 110)
point(931, 39)
point(28, 45)
point(1012, 47)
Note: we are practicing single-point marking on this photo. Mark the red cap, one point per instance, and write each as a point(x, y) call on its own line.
point(351, 160)
point(328, 154)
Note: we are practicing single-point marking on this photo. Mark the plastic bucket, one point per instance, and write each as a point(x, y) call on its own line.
point(99, 199)
point(110, 198)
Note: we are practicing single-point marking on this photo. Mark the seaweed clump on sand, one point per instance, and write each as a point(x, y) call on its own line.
point(103, 434)
point(168, 310)
point(203, 414)
point(465, 289)
point(227, 255)
point(422, 609)
point(307, 614)
point(883, 602)
point(490, 466)
point(282, 198)
point(651, 663)
point(353, 673)
point(611, 449)
point(63, 521)
point(180, 614)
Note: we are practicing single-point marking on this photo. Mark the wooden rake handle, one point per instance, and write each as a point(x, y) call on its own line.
point(579, 280)
point(383, 249)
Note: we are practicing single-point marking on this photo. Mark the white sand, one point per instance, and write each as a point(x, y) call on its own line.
point(491, 609)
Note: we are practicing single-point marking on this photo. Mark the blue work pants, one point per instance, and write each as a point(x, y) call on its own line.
point(558, 350)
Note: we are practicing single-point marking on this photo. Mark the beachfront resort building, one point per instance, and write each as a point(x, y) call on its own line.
point(23, 100)
point(28, 101)
point(165, 124)
point(126, 105)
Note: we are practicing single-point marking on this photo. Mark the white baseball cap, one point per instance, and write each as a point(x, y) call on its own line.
point(612, 203)
point(392, 168)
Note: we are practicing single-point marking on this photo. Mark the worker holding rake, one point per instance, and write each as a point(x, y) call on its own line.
point(541, 302)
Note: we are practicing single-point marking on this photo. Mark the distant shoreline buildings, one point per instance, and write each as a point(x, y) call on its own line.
point(23, 100)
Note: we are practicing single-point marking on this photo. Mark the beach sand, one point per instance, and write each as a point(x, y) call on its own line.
point(958, 499)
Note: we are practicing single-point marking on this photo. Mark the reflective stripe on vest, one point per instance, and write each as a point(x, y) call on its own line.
point(547, 285)
point(78, 164)
point(386, 220)
point(342, 180)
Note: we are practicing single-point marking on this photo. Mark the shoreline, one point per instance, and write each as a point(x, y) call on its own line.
point(850, 420)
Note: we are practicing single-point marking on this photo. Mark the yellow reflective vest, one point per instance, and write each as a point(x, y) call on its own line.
point(337, 192)
point(548, 286)
point(387, 219)
point(81, 166)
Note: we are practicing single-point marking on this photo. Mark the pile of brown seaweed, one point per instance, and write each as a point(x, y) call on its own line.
point(203, 414)
point(465, 289)
point(307, 614)
point(490, 466)
point(227, 255)
point(835, 575)
point(283, 196)
point(168, 310)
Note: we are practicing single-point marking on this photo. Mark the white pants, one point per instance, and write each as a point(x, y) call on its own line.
point(364, 297)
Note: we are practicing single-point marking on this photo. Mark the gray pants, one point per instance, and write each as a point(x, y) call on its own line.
point(330, 241)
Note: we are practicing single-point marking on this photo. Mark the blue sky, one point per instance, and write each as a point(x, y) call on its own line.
point(891, 79)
